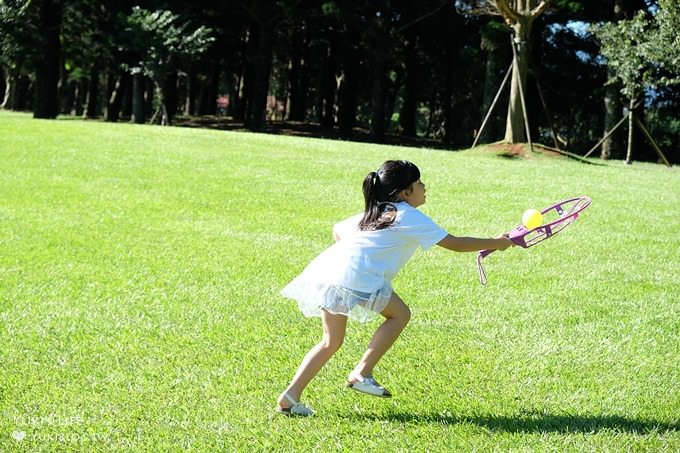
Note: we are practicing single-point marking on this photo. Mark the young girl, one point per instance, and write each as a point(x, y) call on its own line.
point(352, 278)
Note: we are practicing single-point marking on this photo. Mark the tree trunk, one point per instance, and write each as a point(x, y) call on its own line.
point(391, 93)
point(149, 94)
point(514, 126)
point(256, 120)
point(162, 107)
point(76, 98)
point(206, 97)
point(347, 90)
point(631, 123)
point(328, 85)
point(169, 95)
point(17, 92)
point(138, 83)
point(127, 98)
point(611, 95)
point(379, 86)
point(214, 88)
point(92, 110)
point(447, 103)
point(611, 101)
point(10, 87)
point(118, 88)
point(202, 100)
point(46, 104)
point(298, 84)
point(642, 147)
point(409, 109)
point(347, 99)
point(3, 83)
point(191, 90)
point(242, 100)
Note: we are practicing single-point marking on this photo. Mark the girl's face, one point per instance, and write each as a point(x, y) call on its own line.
point(415, 195)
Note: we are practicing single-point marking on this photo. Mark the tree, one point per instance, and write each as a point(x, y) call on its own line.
point(86, 51)
point(268, 21)
point(164, 42)
point(611, 98)
point(519, 15)
point(46, 104)
point(664, 44)
point(641, 54)
point(572, 82)
point(18, 36)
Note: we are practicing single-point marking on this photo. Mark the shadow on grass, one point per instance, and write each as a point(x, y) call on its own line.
point(532, 423)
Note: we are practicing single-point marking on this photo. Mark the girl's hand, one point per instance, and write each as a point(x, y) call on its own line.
point(504, 242)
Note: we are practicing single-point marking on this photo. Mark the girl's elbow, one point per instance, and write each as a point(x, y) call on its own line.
point(450, 243)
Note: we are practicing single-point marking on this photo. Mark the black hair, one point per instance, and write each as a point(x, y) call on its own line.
point(381, 190)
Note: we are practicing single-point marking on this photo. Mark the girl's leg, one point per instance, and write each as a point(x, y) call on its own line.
point(333, 335)
point(397, 315)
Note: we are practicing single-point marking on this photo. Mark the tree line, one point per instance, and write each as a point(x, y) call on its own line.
point(429, 69)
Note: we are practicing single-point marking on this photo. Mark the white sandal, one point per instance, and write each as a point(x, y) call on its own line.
point(297, 409)
point(368, 385)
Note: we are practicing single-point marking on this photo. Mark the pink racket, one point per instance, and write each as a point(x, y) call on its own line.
point(555, 218)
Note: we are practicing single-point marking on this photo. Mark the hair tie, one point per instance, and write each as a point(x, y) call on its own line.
point(376, 177)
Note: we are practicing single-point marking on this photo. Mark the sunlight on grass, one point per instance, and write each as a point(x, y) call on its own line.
point(139, 305)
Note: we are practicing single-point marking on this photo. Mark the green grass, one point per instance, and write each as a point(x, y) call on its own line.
point(139, 276)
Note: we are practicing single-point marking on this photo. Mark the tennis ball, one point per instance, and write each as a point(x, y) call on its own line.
point(532, 218)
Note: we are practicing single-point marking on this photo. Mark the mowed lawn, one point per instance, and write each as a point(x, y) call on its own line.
point(139, 275)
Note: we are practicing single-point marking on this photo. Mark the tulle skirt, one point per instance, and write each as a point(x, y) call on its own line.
point(338, 300)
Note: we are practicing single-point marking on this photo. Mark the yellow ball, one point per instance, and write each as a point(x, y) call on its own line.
point(531, 219)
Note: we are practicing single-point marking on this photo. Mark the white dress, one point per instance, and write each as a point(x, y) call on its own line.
point(354, 276)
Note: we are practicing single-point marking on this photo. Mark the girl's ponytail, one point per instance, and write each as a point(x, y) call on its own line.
point(371, 188)
point(381, 190)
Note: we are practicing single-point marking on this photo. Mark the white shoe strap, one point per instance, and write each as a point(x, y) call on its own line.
point(290, 399)
point(357, 376)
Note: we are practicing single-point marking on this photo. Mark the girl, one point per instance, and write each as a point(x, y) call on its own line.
point(352, 278)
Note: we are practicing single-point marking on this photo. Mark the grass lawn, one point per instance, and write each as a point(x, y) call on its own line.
point(139, 276)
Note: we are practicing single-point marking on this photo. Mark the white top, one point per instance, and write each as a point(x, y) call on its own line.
point(365, 260)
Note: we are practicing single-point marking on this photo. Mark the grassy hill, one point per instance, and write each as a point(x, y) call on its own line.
point(139, 276)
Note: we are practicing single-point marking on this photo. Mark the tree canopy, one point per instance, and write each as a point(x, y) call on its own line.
point(395, 70)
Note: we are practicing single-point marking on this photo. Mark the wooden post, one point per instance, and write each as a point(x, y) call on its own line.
point(607, 134)
point(493, 104)
point(547, 113)
point(651, 140)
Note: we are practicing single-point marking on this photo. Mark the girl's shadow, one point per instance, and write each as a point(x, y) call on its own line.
point(531, 422)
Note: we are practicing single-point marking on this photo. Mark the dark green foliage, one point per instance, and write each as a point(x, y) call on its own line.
point(416, 69)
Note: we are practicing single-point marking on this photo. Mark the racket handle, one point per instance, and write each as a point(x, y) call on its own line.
point(485, 253)
point(480, 256)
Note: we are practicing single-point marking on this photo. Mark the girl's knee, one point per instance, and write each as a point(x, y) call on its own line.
point(408, 313)
point(397, 310)
point(405, 314)
point(332, 344)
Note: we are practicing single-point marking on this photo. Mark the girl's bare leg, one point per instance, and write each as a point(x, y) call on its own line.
point(397, 315)
point(333, 335)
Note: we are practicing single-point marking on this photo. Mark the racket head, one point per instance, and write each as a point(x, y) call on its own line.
point(555, 218)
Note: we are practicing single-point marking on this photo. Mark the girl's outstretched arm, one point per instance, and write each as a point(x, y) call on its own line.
point(469, 244)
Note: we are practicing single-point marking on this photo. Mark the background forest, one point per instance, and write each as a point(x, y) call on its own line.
point(385, 70)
